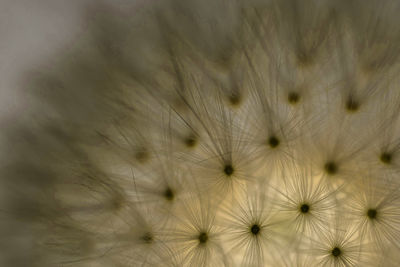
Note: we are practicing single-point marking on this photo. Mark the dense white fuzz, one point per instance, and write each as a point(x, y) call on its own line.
point(210, 133)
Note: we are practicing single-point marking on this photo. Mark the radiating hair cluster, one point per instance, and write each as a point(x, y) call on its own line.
point(210, 133)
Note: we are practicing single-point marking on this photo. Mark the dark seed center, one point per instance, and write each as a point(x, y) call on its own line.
point(148, 238)
point(190, 141)
point(141, 156)
point(169, 194)
point(336, 252)
point(203, 237)
point(234, 98)
point(255, 229)
point(273, 142)
point(304, 208)
point(293, 97)
point(386, 157)
point(228, 170)
point(371, 213)
point(331, 168)
point(352, 105)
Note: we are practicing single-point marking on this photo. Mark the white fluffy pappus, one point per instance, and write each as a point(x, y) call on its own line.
point(211, 133)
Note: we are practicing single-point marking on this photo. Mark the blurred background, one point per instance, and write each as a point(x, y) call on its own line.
point(29, 31)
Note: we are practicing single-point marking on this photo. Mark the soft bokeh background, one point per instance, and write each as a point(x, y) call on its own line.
point(31, 30)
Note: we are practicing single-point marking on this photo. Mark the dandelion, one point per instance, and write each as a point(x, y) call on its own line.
point(196, 238)
point(307, 204)
point(375, 210)
point(251, 230)
point(209, 133)
point(339, 246)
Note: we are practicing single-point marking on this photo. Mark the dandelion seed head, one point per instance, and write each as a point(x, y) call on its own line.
point(211, 133)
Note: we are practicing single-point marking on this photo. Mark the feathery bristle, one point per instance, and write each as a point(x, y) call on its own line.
point(209, 133)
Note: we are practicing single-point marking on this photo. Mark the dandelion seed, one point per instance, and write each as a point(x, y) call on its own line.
point(195, 239)
point(372, 213)
point(169, 194)
point(235, 99)
point(147, 238)
point(306, 203)
point(273, 142)
point(304, 208)
point(386, 157)
point(142, 155)
point(336, 252)
point(255, 229)
point(352, 105)
point(339, 246)
point(331, 168)
point(228, 170)
point(203, 237)
point(293, 98)
point(190, 141)
point(376, 212)
point(172, 135)
point(251, 231)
